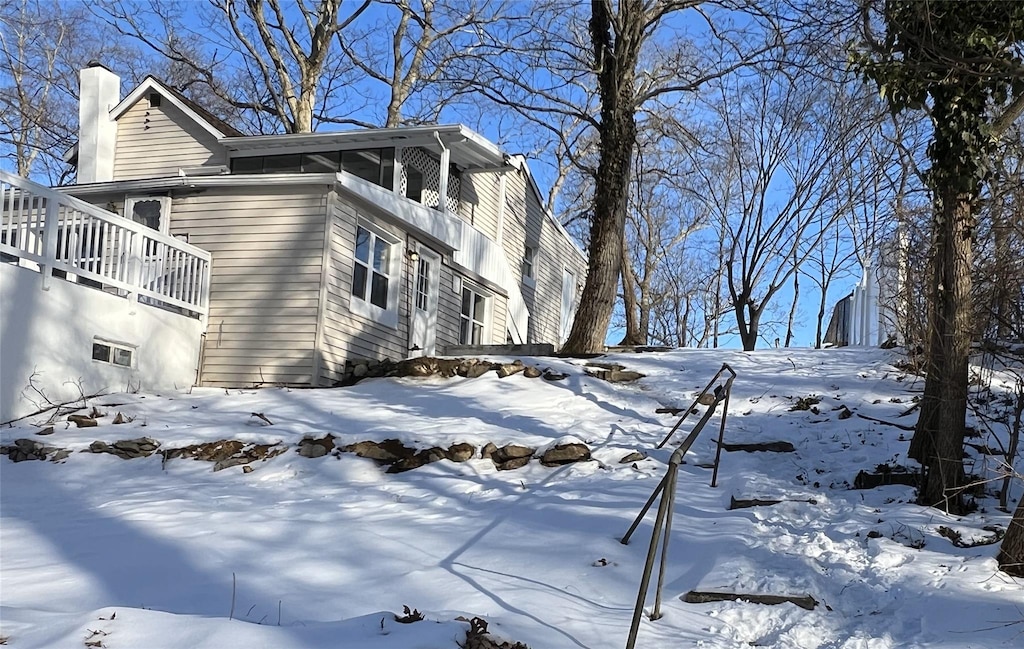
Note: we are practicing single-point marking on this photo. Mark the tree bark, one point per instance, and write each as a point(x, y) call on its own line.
point(792, 308)
point(1011, 551)
point(939, 439)
point(615, 60)
point(629, 301)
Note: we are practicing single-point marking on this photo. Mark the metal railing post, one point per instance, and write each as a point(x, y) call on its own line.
point(721, 431)
point(666, 488)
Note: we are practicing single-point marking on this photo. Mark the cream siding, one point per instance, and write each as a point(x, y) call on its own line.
point(267, 247)
point(347, 335)
point(480, 202)
point(155, 142)
point(527, 223)
point(449, 306)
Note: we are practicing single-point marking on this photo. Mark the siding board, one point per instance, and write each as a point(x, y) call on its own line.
point(157, 141)
point(264, 283)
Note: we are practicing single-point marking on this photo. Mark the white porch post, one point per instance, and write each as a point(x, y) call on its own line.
point(51, 217)
point(396, 179)
point(442, 183)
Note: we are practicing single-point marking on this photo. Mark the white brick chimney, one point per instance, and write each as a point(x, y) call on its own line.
point(99, 91)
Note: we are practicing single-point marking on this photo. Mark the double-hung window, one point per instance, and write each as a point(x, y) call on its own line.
point(529, 266)
point(473, 320)
point(375, 270)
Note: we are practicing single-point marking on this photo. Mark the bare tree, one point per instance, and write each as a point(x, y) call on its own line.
point(425, 37)
point(546, 71)
point(770, 176)
point(43, 44)
point(260, 57)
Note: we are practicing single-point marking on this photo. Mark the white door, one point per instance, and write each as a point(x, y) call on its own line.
point(424, 303)
point(152, 213)
point(568, 304)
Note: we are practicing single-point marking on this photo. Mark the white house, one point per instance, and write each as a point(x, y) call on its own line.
point(324, 249)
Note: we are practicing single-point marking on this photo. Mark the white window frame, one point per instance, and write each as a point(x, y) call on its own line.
point(484, 322)
point(114, 348)
point(165, 209)
point(529, 265)
point(361, 305)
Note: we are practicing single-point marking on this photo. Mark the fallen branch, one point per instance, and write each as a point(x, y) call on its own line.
point(702, 597)
point(887, 423)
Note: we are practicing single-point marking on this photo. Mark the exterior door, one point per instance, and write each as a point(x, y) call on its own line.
point(152, 213)
point(568, 304)
point(427, 277)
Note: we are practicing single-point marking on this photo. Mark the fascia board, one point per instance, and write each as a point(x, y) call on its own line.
point(170, 182)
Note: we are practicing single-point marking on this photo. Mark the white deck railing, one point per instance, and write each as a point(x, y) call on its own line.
point(57, 232)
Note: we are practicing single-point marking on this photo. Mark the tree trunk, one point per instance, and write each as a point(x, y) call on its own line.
point(1011, 552)
point(822, 304)
point(615, 59)
point(792, 308)
point(939, 438)
point(747, 326)
point(629, 302)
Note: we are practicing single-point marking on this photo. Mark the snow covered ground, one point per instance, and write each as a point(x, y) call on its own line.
point(143, 554)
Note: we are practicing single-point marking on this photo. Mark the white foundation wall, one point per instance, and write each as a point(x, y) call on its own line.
point(49, 334)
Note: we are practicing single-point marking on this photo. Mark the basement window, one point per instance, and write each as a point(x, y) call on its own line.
point(113, 353)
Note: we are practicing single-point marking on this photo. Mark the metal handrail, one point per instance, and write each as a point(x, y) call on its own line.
point(667, 488)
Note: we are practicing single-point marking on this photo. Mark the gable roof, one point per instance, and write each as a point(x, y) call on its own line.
point(204, 118)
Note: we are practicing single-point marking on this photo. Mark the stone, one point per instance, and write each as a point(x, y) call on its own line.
point(230, 462)
point(119, 419)
point(511, 452)
point(706, 399)
point(421, 458)
point(514, 463)
point(532, 372)
point(466, 365)
point(387, 452)
point(99, 447)
point(623, 376)
point(360, 370)
point(845, 413)
point(312, 450)
point(61, 455)
point(28, 449)
point(488, 450)
point(478, 370)
point(461, 452)
point(247, 469)
point(82, 421)
point(554, 376)
point(635, 456)
point(310, 447)
point(46, 431)
point(565, 454)
point(508, 369)
point(606, 366)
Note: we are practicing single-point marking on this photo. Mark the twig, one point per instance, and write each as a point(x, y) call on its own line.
point(887, 423)
point(260, 415)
